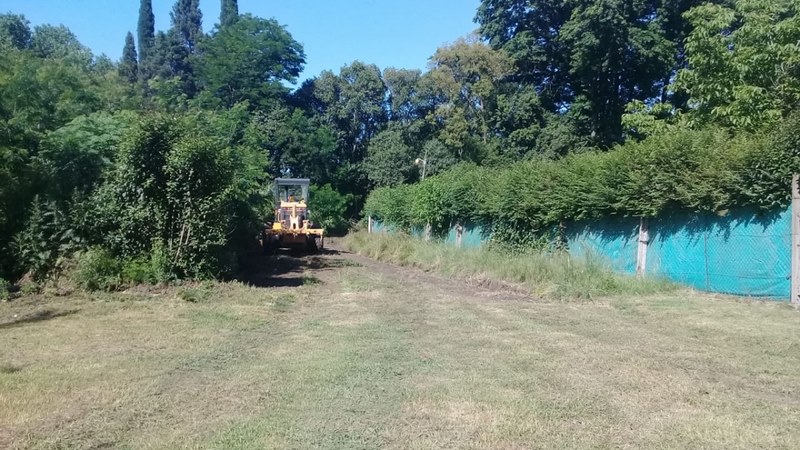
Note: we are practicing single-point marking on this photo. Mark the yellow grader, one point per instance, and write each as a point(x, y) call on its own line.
point(292, 228)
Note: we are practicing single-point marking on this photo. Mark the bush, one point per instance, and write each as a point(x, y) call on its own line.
point(97, 270)
point(677, 171)
point(47, 239)
point(182, 194)
point(329, 208)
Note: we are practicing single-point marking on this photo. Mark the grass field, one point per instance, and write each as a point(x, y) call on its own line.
point(340, 351)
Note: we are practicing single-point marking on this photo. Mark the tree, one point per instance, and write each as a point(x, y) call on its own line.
point(404, 96)
point(329, 209)
point(170, 61)
point(184, 191)
point(593, 56)
point(743, 63)
point(129, 67)
point(147, 35)
point(529, 30)
point(38, 95)
point(467, 75)
point(617, 55)
point(519, 118)
point(187, 21)
point(297, 145)
point(390, 160)
point(58, 42)
point(15, 31)
point(249, 61)
point(76, 156)
point(353, 104)
point(229, 13)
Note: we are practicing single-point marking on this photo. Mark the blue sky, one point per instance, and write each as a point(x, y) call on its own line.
point(389, 33)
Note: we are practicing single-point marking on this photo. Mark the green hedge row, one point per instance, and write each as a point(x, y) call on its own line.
point(681, 170)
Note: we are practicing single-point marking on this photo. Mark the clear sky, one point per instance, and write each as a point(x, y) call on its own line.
point(389, 33)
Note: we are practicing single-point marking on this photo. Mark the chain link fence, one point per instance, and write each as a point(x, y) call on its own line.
point(739, 252)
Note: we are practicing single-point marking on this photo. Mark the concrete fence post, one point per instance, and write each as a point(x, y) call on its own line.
point(641, 251)
point(369, 224)
point(459, 234)
point(795, 285)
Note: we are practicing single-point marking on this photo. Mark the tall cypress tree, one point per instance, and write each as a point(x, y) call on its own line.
point(230, 13)
point(129, 67)
point(187, 21)
point(146, 31)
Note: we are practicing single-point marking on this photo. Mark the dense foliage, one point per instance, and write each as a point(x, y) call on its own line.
point(680, 171)
point(554, 111)
point(700, 93)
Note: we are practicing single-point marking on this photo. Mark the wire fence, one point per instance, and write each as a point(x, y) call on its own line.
point(740, 252)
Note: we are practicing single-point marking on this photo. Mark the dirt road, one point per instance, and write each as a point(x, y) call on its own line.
point(292, 269)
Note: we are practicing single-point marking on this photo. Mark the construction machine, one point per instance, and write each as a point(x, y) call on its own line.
point(291, 227)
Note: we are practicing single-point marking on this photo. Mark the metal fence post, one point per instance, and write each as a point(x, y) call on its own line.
point(795, 289)
point(641, 252)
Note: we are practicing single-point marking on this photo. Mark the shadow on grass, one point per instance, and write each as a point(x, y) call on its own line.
point(38, 316)
point(290, 268)
point(8, 369)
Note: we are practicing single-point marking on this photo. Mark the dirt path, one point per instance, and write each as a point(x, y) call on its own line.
point(292, 269)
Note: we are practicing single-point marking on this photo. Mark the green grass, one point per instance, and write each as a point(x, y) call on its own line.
point(546, 275)
point(385, 357)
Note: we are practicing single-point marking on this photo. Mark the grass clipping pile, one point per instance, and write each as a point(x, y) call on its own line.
point(551, 275)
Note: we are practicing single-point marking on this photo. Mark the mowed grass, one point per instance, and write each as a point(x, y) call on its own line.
point(548, 275)
point(362, 358)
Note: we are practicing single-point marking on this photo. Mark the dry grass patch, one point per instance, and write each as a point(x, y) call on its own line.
point(385, 357)
point(544, 275)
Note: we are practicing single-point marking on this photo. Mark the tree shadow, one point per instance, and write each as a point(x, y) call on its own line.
point(692, 226)
point(289, 268)
point(38, 316)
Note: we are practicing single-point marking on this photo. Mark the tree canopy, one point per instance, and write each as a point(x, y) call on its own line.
point(249, 61)
point(229, 13)
point(581, 108)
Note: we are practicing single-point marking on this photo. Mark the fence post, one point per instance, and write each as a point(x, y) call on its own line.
point(459, 234)
point(795, 289)
point(641, 253)
point(369, 224)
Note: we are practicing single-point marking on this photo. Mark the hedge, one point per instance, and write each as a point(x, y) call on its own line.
point(679, 171)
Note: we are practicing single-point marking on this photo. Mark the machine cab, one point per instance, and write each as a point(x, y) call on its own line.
point(291, 207)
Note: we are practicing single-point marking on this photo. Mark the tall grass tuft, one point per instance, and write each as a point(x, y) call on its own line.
point(553, 275)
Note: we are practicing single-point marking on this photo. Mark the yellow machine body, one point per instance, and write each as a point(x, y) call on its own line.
point(291, 227)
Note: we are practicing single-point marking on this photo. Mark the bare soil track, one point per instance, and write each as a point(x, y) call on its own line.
point(292, 269)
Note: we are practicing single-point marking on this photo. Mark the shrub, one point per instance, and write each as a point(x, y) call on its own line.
point(48, 237)
point(676, 171)
point(185, 193)
point(148, 269)
point(329, 208)
point(30, 288)
point(97, 270)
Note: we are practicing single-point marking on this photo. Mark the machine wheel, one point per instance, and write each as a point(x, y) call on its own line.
point(270, 245)
point(312, 245)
